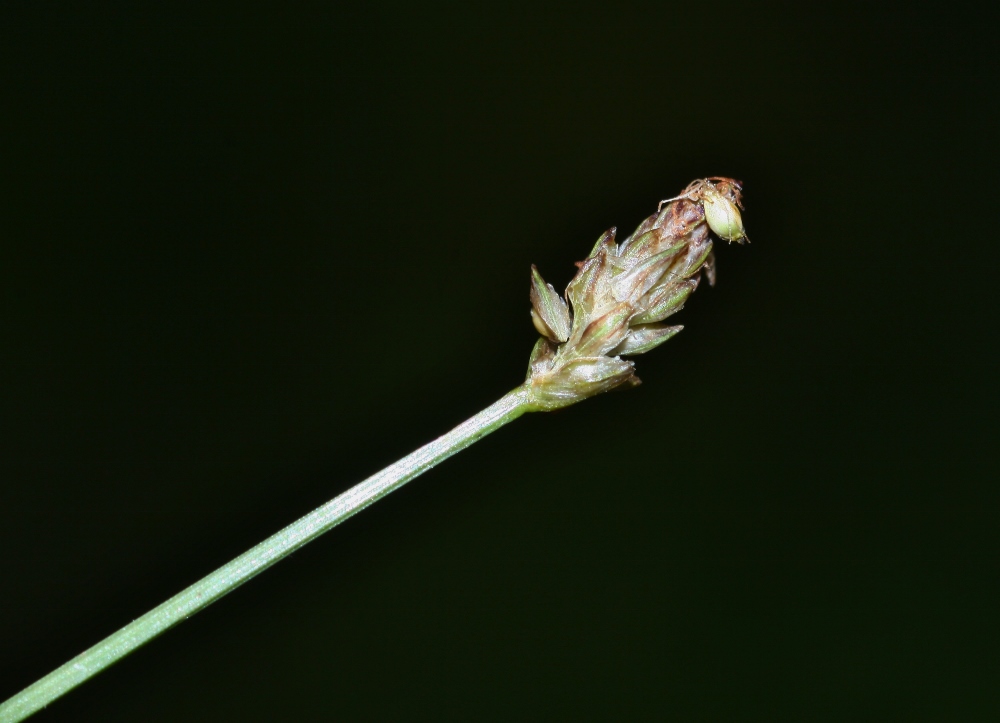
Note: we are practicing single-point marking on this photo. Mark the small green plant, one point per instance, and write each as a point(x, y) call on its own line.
point(617, 304)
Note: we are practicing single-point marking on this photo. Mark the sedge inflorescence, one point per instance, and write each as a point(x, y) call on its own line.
point(622, 293)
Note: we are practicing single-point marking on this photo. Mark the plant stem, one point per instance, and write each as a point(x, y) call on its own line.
point(233, 574)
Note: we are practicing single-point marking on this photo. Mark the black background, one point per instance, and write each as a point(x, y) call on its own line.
point(251, 254)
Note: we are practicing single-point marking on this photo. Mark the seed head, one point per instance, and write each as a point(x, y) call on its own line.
point(623, 292)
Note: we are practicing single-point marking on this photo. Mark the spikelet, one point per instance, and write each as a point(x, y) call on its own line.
point(623, 292)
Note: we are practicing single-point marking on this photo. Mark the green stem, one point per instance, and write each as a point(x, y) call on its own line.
point(233, 574)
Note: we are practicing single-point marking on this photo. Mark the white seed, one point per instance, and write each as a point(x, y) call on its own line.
point(540, 325)
point(723, 216)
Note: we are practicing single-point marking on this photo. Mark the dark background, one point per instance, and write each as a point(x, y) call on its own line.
point(251, 254)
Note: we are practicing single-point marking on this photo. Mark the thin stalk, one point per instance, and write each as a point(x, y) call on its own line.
point(233, 574)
